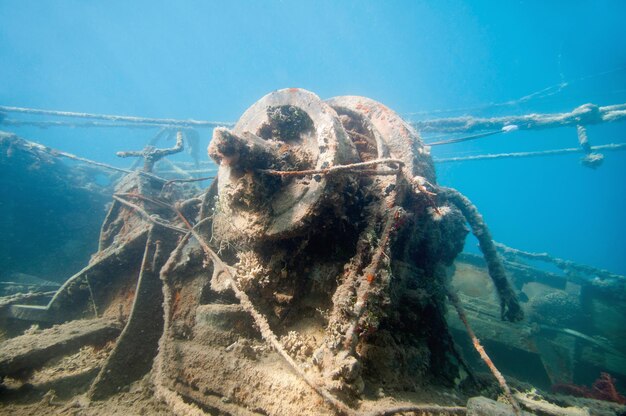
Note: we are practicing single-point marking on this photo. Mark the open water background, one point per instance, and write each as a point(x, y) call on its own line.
point(211, 60)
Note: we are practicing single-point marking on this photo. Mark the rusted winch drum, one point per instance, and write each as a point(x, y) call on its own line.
point(393, 137)
point(289, 129)
point(293, 130)
point(310, 202)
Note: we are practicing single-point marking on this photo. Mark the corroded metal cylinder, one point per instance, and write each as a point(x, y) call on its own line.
point(290, 129)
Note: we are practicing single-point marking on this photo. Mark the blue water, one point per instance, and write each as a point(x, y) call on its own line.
point(210, 61)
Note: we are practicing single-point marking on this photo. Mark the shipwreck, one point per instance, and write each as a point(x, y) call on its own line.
point(313, 276)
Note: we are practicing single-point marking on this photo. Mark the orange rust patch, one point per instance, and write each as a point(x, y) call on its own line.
point(176, 303)
point(106, 346)
point(129, 298)
point(370, 277)
point(283, 149)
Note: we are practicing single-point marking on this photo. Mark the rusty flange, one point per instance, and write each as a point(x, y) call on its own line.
point(289, 129)
point(394, 137)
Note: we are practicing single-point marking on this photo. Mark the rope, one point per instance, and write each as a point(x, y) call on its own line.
point(454, 299)
point(466, 138)
point(58, 153)
point(579, 117)
point(152, 218)
point(115, 118)
point(356, 167)
point(69, 124)
point(591, 159)
point(566, 266)
point(509, 305)
point(556, 152)
point(585, 114)
point(192, 171)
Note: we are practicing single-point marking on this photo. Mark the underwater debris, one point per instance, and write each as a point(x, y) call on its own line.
point(318, 206)
point(585, 114)
point(556, 309)
point(51, 214)
point(22, 354)
point(509, 305)
point(437, 213)
point(577, 273)
point(454, 299)
point(151, 155)
point(280, 197)
point(555, 152)
point(591, 159)
point(602, 389)
point(116, 118)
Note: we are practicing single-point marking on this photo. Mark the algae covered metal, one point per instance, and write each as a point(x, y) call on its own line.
point(311, 277)
point(332, 235)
